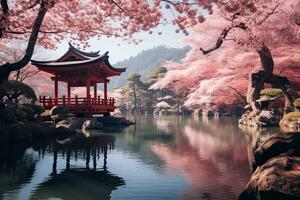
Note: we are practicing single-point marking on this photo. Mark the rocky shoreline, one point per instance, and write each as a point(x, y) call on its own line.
point(276, 164)
point(24, 123)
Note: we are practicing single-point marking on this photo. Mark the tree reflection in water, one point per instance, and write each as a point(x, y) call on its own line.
point(189, 158)
point(213, 159)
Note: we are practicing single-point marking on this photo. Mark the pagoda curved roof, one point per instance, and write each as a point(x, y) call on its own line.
point(88, 54)
point(55, 66)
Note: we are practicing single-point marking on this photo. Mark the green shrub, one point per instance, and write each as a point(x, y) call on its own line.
point(291, 116)
point(14, 90)
point(297, 103)
point(271, 92)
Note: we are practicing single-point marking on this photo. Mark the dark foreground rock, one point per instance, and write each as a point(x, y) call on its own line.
point(277, 179)
point(277, 144)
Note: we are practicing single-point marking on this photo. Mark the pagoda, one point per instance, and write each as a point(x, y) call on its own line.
point(80, 69)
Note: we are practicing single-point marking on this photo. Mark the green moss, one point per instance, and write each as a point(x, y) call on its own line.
point(292, 115)
point(271, 92)
point(297, 103)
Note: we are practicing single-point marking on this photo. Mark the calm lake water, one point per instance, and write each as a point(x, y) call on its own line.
point(158, 158)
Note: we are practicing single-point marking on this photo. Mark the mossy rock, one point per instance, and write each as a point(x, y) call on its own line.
point(271, 92)
point(56, 110)
point(292, 116)
point(297, 103)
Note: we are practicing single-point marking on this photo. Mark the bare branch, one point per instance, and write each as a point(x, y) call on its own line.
point(273, 11)
point(175, 3)
point(243, 97)
point(222, 37)
point(115, 3)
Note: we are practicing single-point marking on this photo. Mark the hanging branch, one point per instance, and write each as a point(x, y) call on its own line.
point(239, 94)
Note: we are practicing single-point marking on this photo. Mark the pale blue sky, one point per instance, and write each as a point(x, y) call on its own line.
point(125, 50)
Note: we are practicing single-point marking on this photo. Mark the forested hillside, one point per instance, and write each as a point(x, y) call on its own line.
point(146, 61)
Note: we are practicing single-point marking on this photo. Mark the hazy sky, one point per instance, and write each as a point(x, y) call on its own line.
point(124, 50)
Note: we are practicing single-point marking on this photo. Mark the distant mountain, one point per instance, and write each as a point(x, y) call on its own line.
point(146, 61)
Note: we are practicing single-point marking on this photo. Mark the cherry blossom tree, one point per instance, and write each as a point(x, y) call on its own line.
point(254, 17)
point(245, 26)
point(46, 22)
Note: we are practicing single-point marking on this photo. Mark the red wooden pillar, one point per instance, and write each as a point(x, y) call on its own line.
point(88, 90)
point(69, 90)
point(95, 91)
point(105, 91)
point(69, 93)
point(56, 88)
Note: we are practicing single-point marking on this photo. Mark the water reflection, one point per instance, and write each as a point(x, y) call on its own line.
point(22, 179)
point(79, 184)
point(211, 156)
point(255, 137)
point(189, 158)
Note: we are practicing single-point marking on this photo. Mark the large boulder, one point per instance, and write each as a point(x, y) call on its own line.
point(275, 145)
point(277, 179)
point(92, 124)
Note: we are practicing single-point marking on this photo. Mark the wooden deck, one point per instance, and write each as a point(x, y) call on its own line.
point(77, 105)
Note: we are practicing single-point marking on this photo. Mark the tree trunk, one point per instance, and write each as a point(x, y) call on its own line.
point(7, 68)
point(135, 97)
point(290, 94)
point(18, 75)
point(257, 79)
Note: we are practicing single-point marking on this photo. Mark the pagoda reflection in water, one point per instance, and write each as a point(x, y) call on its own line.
point(69, 181)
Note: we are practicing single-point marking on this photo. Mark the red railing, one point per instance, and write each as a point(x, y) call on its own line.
point(78, 102)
